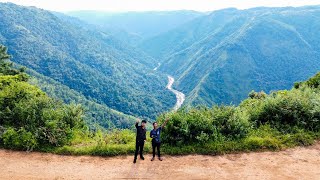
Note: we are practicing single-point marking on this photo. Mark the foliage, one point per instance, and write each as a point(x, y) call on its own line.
point(24, 106)
point(5, 64)
point(19, 139)
point(313, 82)
point(286, 110)
point(29, 117)
point(203, 124)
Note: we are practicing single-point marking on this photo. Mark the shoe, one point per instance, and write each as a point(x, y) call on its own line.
point(142, 158)
point(134, 161)
point(152, 159)
point(160, 159)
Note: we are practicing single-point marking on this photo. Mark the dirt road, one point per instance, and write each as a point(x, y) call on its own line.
point(179, 95)
point(297, 163)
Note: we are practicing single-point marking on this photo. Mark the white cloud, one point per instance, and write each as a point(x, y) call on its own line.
point(148, 5)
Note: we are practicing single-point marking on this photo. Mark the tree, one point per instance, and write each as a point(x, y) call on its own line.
point(6, 67)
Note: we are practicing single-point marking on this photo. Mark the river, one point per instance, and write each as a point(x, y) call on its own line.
point(179, 95)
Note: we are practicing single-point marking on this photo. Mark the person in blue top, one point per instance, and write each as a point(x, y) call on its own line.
point(156, 142)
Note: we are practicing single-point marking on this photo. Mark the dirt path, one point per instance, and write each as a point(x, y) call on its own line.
point(297, 163)
point(179, 95)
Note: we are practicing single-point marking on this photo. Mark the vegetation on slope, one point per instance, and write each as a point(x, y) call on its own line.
point(219, 58)
point(29, 119)
point(95, 114)
point(92, 63)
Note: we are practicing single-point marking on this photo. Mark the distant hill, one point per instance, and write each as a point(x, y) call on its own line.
point(134, 27)
point(221, 57)
point(91, 63)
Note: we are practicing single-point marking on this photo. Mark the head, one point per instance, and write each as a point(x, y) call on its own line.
point(143, 123)
point(155, 125)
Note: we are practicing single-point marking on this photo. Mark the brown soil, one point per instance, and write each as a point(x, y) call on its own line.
point(297, 163)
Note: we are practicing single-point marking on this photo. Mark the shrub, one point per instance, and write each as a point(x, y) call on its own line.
point(20, 140)
point(120, 137)
point(27, 108)
point(204, 124)
point(287, 109)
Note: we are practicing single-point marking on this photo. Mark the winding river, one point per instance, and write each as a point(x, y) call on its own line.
point(179, 95)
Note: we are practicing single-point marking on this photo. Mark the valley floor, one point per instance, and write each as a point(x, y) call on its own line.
point(296, 163)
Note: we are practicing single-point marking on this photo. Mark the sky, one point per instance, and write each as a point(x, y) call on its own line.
point(156, 5)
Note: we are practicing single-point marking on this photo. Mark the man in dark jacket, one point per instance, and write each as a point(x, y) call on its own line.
point(155, 135)
point(140, 139)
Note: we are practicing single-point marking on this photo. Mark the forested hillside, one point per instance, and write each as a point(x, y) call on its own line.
point(95, 114)
point(221, 57)
point(92, 64)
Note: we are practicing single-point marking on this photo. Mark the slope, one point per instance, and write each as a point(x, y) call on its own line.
point(92, 63)
point(257, 49)
point(95, 113)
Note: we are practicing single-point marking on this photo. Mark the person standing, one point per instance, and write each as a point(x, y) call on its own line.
point(156, 142)
point(140, 139)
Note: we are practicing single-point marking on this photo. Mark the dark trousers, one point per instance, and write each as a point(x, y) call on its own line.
point(154, 146)
point(139, 146)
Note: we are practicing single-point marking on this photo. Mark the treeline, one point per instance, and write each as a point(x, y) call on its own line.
point(30, 119)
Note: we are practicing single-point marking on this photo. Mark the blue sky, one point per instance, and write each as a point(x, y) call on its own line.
point(158, 5)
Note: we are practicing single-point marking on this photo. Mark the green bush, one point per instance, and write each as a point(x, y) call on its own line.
point(27, 108)
point(206, 124)
point(20, 139)
point(287, 109)
point(313, 82)
point(120, 137)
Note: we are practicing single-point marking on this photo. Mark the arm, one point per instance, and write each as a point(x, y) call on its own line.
point(137, 122)
point(165, 122)
point(151, 134)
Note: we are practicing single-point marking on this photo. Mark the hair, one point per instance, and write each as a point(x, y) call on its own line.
point(143, 121)
point(153, 123)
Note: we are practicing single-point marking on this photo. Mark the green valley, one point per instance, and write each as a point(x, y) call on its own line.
point(75, 83)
